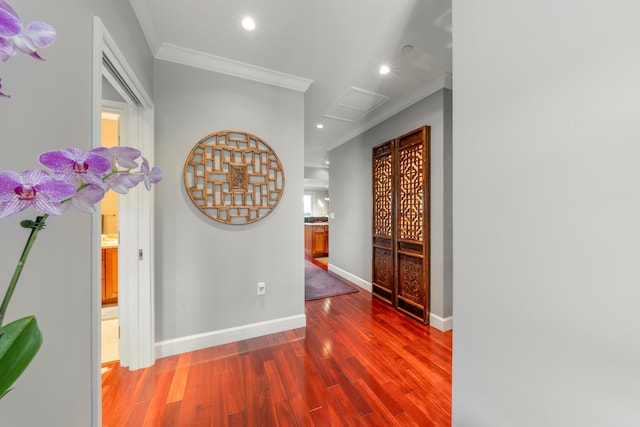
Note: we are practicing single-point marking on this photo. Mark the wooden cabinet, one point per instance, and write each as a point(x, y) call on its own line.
point(316, 240)
point(308, 241)
point(109, 275)
point(320, 241)
point(400, 223)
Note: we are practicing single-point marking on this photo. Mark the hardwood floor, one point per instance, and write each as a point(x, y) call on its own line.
point(357, 363)
point(322, 262)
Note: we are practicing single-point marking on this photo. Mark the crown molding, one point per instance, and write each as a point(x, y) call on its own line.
point(218, 64)
point(443, 81)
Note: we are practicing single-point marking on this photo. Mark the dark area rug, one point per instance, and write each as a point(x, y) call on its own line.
point(319, 283)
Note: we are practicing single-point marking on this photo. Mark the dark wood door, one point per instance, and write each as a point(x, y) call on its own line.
point(383, 222)
point(401, 223)
point(412, 241)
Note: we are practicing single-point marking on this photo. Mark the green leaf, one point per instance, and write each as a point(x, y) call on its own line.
point(19, 342)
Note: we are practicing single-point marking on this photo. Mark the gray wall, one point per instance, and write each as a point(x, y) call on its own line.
point(316, 174)
point(50, 108)
point(316, 178)
point(351, 195)
point(546, 213)
point(207, 271)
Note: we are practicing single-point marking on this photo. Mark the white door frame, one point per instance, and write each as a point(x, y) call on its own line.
point(136, 220)
point(127, 245)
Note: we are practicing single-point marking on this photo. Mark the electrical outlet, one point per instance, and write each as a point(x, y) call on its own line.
point(262, 288)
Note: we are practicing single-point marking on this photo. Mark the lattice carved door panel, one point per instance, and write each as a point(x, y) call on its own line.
point(401, 223)
point(383, 219)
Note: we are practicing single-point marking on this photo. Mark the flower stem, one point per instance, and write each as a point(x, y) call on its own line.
point(35, 228)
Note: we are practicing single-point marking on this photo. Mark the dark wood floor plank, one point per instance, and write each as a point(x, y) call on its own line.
point(231, 387)
point(190, 386)
point(204, 416)
point(320, 417)
point(345, 409)
point(238, 419)
point(372, 384)
point(284, 414)
point(380, 414)
point(301, 411)
point(431, 407)
point(414, 412)
point(179, 380)
point(276, 388)
point(358, 362)
point(157, 405)
point(117, 395)
point(138, 413)
point(351, 393)
point(170, 416)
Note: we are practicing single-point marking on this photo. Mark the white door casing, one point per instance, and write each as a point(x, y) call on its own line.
point(135, 218)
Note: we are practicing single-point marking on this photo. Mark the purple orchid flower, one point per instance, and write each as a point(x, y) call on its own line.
point(86, 198)
point(151, 176)
point(10, 24)
point(2, 94)
point(123, 182)
point(72, 164)
point(36, 35)
point(34, 188)
point(26, 39)
point(122, 156)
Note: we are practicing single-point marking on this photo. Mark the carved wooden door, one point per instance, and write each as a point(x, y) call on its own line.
point(383, 222)
point(401, 223)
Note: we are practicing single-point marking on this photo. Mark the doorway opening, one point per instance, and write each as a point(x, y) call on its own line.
point(110, 321)
point(316, 230)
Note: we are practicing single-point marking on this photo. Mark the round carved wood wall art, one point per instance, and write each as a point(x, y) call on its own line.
point(234, 177)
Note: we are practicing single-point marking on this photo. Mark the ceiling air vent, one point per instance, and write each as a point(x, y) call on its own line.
point(355, 104)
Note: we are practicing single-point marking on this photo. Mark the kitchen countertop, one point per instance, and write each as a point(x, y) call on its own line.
point(316, 223)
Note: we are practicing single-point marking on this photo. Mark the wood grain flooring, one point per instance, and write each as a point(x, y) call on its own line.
point(357, 363)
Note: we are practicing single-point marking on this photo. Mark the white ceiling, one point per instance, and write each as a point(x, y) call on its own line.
point(329, 49)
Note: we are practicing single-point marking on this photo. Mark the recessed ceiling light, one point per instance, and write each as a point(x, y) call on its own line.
point(319, 125)
point(248, 23)
point(384, 69)
point(327, 162)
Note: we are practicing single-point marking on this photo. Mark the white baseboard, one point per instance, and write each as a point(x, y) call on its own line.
point(441, 324)
point(350, 277)
point(224, 336)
